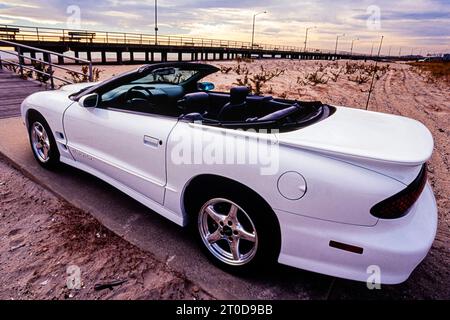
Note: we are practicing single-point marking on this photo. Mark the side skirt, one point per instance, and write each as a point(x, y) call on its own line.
point(158, 208)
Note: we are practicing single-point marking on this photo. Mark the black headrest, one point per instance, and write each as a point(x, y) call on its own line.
point(238, 95)
point(195, 100)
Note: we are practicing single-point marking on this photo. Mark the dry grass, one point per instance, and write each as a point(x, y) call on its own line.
point(434, 71)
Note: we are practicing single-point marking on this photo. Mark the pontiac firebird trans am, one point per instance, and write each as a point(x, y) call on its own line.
point(331, 189)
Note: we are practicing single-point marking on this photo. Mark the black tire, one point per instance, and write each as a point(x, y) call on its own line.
point(262, 217)
point(52, 161)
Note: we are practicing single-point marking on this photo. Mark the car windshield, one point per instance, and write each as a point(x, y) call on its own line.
point(167, 76)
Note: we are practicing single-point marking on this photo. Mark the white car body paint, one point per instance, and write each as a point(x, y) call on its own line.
point(373, 157)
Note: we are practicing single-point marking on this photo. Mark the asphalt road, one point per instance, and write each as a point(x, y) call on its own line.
point(165, 240)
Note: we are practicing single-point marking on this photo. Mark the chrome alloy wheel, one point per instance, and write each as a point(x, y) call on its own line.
point(228, 232)
point(40, 142)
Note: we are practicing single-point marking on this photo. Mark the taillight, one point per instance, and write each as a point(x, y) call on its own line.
point(398, 205)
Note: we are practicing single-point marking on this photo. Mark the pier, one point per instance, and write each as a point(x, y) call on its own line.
point(121, 48)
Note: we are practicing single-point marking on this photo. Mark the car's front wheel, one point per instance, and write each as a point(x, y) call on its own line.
point(238, 234)
point(43, 143)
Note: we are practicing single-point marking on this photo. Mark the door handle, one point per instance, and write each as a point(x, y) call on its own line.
point(152, 142)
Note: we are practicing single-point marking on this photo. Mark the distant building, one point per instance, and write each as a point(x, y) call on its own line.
point(446, 57)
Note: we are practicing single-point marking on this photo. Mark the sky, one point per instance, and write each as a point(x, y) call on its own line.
point(418, 26)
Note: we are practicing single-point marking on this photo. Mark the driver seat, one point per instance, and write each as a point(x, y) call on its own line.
point(236, 109)
point(194, 102)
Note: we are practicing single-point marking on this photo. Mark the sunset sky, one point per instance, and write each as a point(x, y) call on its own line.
point(421, 25)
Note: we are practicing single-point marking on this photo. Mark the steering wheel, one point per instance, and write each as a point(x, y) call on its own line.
point(138, 89)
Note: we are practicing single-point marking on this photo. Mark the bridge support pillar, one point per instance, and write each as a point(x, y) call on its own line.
point(163, 56)
point(180, 56)
point(77, 55)
point(89, 55)
point(152, 56)
point(119, 57)
point(33, 56)
point(46, 57)
point(60, 60)
point(131, 56)
point(104, 57)
point(221, 56)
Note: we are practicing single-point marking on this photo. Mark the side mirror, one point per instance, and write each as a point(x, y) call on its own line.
point(89, 101)
point(205, 86)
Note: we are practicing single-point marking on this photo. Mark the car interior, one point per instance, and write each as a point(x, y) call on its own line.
point(176, 92)
point(238, 106)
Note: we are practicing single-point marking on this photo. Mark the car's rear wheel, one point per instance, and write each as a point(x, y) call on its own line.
point(237, 232)
point(43, 143)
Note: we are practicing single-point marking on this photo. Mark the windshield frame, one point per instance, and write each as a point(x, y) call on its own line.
point(128, 77)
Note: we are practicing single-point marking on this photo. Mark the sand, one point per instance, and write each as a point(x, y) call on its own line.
point(41, 236)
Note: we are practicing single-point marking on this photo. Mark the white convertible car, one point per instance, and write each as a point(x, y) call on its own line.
point(329, 189)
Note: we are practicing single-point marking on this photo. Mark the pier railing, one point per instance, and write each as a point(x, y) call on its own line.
point(48, 71)
point(39, 34)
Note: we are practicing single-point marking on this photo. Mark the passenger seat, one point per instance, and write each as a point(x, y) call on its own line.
point(236, 109)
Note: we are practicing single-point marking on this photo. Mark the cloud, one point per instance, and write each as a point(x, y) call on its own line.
point(403, 23)
point(121, 14)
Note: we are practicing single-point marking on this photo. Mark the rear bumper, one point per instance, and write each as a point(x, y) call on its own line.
point(395, 246)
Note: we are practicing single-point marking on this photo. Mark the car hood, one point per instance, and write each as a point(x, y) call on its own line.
point(370, 139)
point(73, 88)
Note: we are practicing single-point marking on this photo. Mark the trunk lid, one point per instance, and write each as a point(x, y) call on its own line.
point(389, 144)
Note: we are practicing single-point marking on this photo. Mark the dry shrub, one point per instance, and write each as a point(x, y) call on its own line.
point(361, 73)
point(359, 78)
point(42, 67)
point(225, 69)
point(336, 74)
point(256, 82)
point(315, 78)
point(30, 74)
point(84, 76)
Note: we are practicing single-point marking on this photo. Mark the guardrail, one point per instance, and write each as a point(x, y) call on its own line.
point(46, 61)
point(43, 34)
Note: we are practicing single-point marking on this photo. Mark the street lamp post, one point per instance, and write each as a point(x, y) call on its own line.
point(306, 36)
point(156, 22)
point(351, 49)
point(253, 29)
point(337, 41)
point(371, 50)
